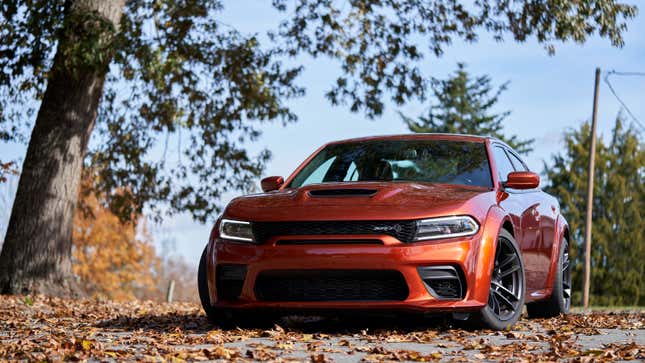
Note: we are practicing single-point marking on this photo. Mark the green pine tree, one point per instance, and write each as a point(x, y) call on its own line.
point(465, 106)
point(618, 251)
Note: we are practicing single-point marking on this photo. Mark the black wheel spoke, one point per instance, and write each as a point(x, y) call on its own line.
point(509, 271)
point(494, 303)
point(509, 259)
point(566, 293)
point(504, 291)
point(566, 276)
point(503, 299)
point(565, 265)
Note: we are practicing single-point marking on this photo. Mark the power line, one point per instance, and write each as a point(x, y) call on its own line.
point(642, 74)
point(613, 91)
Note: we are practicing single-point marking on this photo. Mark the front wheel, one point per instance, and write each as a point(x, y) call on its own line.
point(507, 287)
point(227, 318)
point(214, 315)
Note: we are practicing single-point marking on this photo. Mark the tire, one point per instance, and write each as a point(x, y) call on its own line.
point(507, 289)
point(226, 318)
point(560, 300)
point(202, 284)
point(221, 317)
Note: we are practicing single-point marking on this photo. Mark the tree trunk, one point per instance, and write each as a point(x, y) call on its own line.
point(36, 256)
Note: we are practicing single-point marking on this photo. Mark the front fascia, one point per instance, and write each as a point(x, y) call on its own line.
point(474, 255)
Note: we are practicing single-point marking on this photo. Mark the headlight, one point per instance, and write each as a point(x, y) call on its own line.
point(236, 230)
point(445, 227)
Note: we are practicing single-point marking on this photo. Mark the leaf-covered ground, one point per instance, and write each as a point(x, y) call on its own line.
point(53, 329)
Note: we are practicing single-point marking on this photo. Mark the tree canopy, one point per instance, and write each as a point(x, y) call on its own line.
point(379, 43)
point(617, 248)
point(180, 76)
point(465, 105)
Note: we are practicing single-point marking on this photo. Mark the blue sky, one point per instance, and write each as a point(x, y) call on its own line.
point(546, 94)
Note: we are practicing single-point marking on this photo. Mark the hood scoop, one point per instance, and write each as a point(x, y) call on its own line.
point(347, 192)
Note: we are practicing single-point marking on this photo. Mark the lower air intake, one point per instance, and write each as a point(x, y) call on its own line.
point(331, 285)
point(229, 280)
point(444, 282)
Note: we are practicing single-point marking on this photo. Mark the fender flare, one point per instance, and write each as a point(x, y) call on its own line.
point(485, 250)
point(561, 227)
point(211, 257)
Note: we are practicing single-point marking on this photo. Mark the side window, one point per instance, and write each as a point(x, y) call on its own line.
point(318, 175)
point(517, 163)
point(352, 173)
point(504, 165)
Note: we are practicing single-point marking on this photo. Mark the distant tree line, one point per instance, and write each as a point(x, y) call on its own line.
point(618, 231)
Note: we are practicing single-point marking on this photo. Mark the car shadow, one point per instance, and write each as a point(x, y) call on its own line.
point(359, 323)
point(356, 323)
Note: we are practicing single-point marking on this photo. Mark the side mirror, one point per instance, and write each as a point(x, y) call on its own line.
point(272, 183)
point(522, 180)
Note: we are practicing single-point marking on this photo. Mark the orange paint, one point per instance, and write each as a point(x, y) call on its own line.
point(534, 216)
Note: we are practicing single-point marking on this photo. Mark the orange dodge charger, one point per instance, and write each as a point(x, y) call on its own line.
point(418, 223)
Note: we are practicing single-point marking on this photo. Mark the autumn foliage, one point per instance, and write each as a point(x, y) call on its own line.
point(118, 261)
point(46, 329)
point(112, 259)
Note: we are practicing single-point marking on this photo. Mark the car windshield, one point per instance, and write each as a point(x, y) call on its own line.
point(432, 161)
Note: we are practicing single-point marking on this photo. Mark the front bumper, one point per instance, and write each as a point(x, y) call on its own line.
point(472, 256)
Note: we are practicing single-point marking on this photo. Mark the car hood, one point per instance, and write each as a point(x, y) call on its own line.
point(362, 201)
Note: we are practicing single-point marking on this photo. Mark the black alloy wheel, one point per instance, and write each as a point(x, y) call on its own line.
point(507, 282)
point(507, 286)
point(566, 277)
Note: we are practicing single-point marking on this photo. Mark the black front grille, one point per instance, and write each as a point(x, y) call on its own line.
point(404, 231)
point(294, 242)
point(331, 285)
point(230, 279)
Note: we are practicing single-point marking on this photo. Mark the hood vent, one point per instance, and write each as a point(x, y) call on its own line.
point(342, 192)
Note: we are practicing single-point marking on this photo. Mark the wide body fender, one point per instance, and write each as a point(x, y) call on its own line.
point(485, 250)
point(561, 227)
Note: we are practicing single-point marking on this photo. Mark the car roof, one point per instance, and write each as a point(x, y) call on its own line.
point(421, 136)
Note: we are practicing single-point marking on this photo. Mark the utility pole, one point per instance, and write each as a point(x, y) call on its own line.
point(170, 291)
point(590, 175)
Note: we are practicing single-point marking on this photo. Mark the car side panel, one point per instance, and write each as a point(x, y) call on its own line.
point(523, 208)
point(560, 227)
point(533, 219)
point(548, 236)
